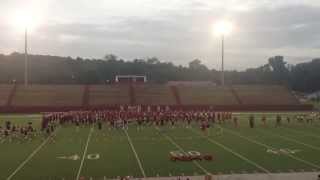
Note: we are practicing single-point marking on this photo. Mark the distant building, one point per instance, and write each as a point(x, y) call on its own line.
point(130, 79)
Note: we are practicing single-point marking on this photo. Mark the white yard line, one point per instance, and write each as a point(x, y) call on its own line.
point(270, 147)
point(135, 154)
point(30, 157)
point(292, 140)
point(302, 132)
point(84, 153)
point(235, 153)
point(181, 149)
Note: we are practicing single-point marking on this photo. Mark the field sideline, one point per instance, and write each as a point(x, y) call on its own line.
point(89, 152)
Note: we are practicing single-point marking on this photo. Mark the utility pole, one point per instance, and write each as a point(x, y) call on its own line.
point(222, 62)
point(26, 79)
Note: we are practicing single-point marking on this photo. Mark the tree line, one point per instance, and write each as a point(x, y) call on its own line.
point(45, 69)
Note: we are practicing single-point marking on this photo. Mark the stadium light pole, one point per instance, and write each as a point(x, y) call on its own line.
point(26, 73)
point(222, 29)
point(222, 60)
point(26, 21)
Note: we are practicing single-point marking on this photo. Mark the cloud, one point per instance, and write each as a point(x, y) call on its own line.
point(173, 30)
point(68, 38)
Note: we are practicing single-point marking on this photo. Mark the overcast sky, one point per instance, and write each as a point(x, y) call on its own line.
point(172, 30)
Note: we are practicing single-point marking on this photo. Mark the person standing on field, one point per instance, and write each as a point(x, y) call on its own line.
point(264, 120)
point(235, 121)
point(278, 119)
point(251, 121)
point(288, 120)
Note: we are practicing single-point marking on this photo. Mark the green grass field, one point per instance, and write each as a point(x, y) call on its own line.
point(100, 154)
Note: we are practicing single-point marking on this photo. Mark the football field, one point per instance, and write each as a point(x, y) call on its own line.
point(109, 153)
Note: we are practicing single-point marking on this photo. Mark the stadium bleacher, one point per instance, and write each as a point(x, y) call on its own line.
point(265, 95)
point(206, 95)
point(5, 91)
point(48, 95)
point(154, 95)
point(109, 95)
point(61, 97)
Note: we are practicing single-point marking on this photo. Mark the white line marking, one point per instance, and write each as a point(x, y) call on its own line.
point(235, 153)
point(292, 140)
point(135, 154)
point(181, 149)
point(30, 156)
point(302, 132)
point(270, 147)
point(84, 154)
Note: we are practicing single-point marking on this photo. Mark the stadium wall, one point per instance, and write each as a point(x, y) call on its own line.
point(234, 108)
